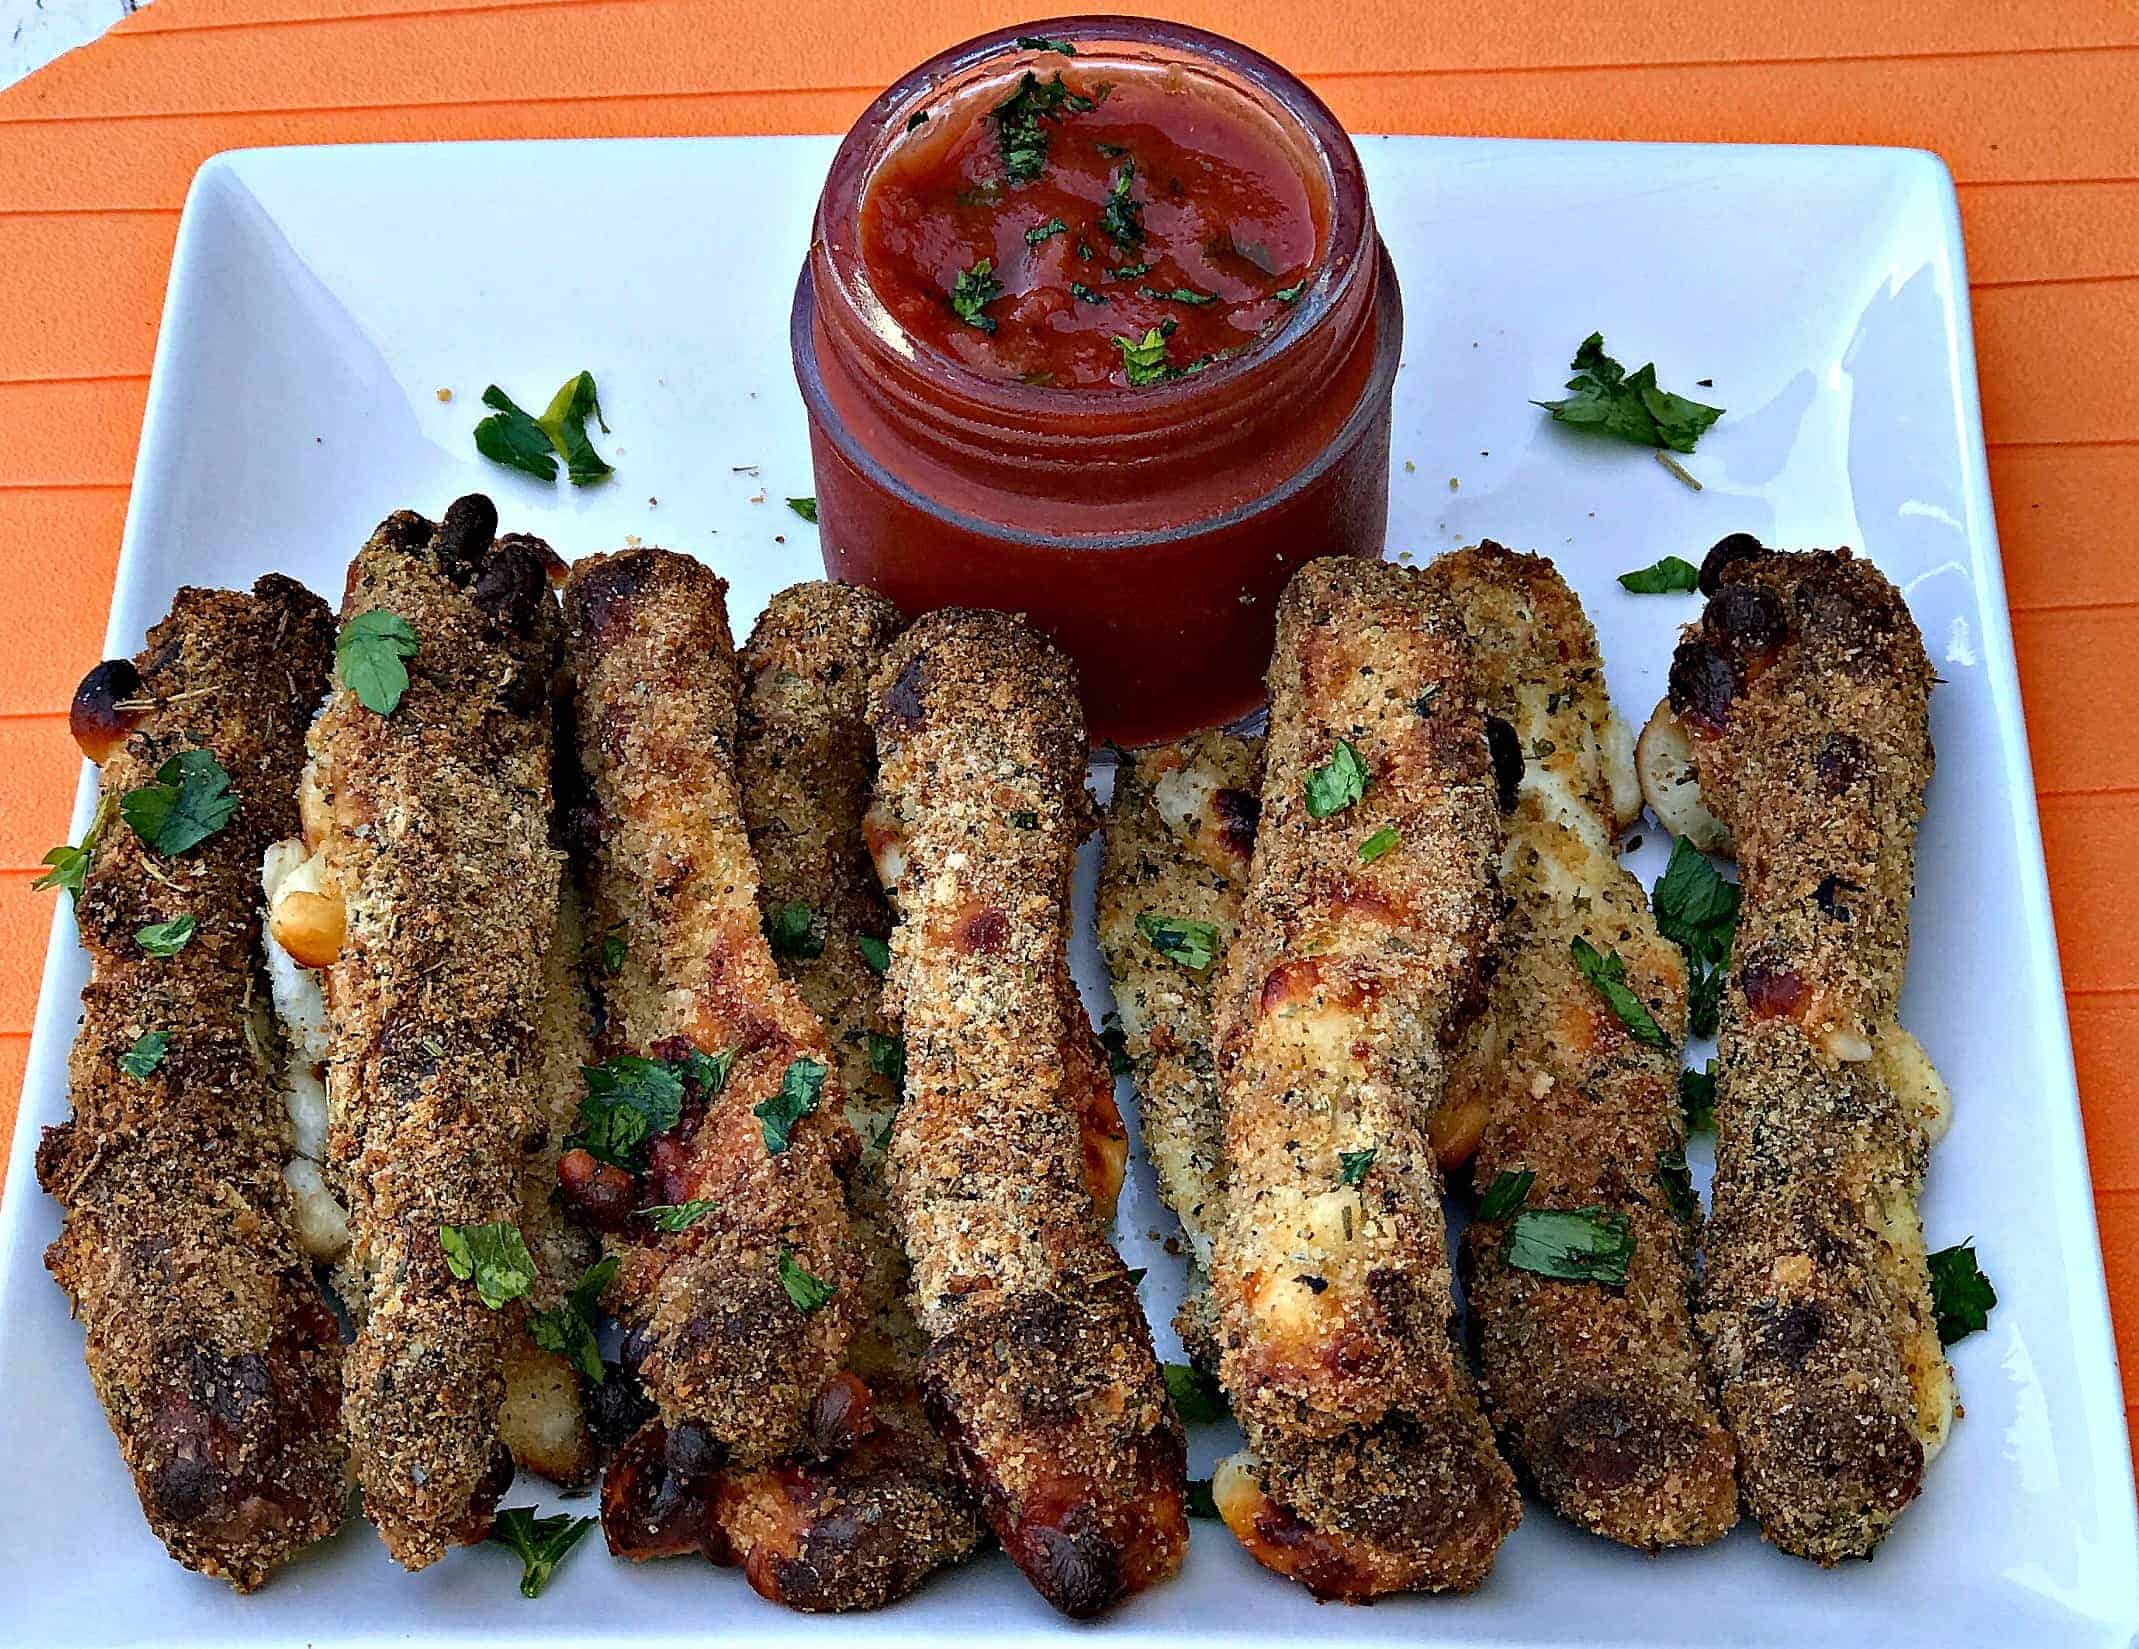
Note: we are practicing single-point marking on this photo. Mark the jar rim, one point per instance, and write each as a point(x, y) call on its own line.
point(1007, 400)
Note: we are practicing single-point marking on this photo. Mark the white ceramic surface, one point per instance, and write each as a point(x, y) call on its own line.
point(320, 300)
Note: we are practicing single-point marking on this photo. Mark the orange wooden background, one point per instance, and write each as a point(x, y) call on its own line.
point(2033, 103)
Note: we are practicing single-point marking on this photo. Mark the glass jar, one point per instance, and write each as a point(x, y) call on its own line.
point(1147, 530)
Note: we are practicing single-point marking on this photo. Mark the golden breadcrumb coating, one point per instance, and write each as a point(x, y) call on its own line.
point(726, 1348)
point(1599, 1392)
point(1806, 694)
point(435, 826)
point(1376, 1465)
point(1040, 1371)
point(212, 1349)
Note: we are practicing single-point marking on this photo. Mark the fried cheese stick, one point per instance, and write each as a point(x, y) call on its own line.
point(1600, 1392)
point(433, 826)
point(740, 1318)
point(863, 1526)
point(1805, 694)
point(213, 1351)
point(1039, 1372)
point(1372, 1467)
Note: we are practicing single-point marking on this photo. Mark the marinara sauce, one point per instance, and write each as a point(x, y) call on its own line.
point(1095, 327)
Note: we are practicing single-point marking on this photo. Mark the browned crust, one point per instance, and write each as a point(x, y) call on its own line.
point(1807, 691)
point(1600, 1393)
point(210, 1346)
point(726, 1352)
point(1040, 1368)
point(437, 837)
point(1335, 1301)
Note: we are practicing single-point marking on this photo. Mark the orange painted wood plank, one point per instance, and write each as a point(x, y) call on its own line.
point(2053, 358)
point(42, 766)
point(2050, 231)
point(2105, 1049)
point(2065, 519)
point(64, 324)
point(25, 925)
point(67, 434)
point(2117, 1216)
point(61, 550)
point(14, 1064)
point(2087, 842)
point(2083, 732)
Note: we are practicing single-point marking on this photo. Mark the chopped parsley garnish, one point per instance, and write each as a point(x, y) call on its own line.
point(876, 954)
point(189, 802)
point(628, 1101)
point(70, 865)
point(1198, 1502)
point(541, 1543)
point(613, 950)
point(807, 1292)
point(1020, 123)
point(1506, 1193)
point(512, 437)
point(791, 934)
point(1180, 294)
point(974, 289)
point(1291, 294)
point(1040, 43)
point(1576, 1245)
point(804, 507)
point(167, 938)
point(1352, 1166)
point(1338, 783)
point(141, 1060)
point(1116, 1041)
point(1192, 944)
point(1132, 271)
point(1143, 361)
point(1697, 1096)
point(1121, 219)
point(569, 1330)
point(800, 1089)
point(1672, 1175)
point(1047, 231)
point(1667, 575)
point(1697, 909)
point(708, 1071)
point(1607, 975)
point(887, 1057)
point(1025, 819)
point(1197, 1396)
point(678, 1216)
point(369, 656)
point(1960, 1293)
point(1377, 844)
point(494, 1257)
point(1084, 293)
point(1611, 401)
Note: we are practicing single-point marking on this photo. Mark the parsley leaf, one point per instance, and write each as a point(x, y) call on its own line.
point(1040, 43)
point(1198, 1502)
point(800, 1089)
point(1192, 944)
point(1020, 120)
point(791, 934)
point(541, 1543)
point(1697, 909)
point(167, 938)
point(71, 865)
point(1612, 401)
point(569, 1330)
point(1121, 219)
point(1041, 232)
point(1197, 1396)
point(1180, 294)
point(1143, 361)
point(1506, 1194)
point(1607, 975)
point(708, 1071)
point(678, 1216)
point(1576, 1245)
point(1697, 1095)
point(1667, 575)
point(804, 507)
point(1116, 1041)
point(189, 802)
point(1672, 1175)
point(1291, 294)
point(368, 653)
point(973, 291)
point(1352, 1166)
point(1335, 786)
point(493, 1256)
point(510, 436)
point(628, 1101)
point(513, 437)
point(876, 954)
point(141, 1060)
point(1960, 1293)
point(1079, 290)
point(807, 1292)
point(565, 423)
point(887, 1057)
point(613, 950)
point(1377, 844)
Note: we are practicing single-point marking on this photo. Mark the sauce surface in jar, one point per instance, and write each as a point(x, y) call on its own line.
point(1091, 226)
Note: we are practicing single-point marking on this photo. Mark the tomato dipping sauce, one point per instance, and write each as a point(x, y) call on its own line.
point(1041, 236)
point(1095, 327)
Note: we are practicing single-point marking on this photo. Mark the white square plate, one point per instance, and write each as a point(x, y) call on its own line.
point(322, 298)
